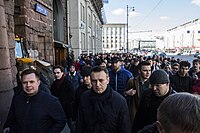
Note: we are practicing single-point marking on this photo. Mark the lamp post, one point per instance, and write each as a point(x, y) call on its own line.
point(127, 14)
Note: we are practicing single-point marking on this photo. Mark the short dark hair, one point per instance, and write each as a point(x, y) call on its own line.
point(59, 67)
point(184, 64)
point(196, 60)
point(99, 69)
point(29, 71)
point(143, 63)
point(180, 110)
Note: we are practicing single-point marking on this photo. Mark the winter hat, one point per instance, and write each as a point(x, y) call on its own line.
point(159, 77)
point(86, 70)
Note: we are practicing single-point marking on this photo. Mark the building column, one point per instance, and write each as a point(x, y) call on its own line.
point(6, 85)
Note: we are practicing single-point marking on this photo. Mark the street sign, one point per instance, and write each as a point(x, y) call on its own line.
point(40, 9)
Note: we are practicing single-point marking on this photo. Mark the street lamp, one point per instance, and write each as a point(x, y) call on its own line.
point(127, 14)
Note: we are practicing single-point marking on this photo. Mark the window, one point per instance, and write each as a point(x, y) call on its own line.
point(82, 13)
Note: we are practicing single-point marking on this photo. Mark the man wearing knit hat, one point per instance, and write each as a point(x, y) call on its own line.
point(152, 98)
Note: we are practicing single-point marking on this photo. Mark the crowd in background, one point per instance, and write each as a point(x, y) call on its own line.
point(142, 82)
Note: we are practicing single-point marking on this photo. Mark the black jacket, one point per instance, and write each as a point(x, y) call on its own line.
point(103, 113)
point(80, 90)
point(41, 113)
point(64, 91)
point(147, 112)
point(149, 129)
point(181, 84)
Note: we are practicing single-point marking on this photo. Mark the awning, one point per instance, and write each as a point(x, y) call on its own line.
point(59, 44)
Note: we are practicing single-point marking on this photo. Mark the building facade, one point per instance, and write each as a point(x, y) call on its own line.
point(185, 37)
point(85, 26)
point(114, 38)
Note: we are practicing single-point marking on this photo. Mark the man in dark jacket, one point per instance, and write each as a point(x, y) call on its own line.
point(151, 99)
point(181, 81)
point(170, 116)
point(85, 73)
point(101, 109)
point(34, 111)
point(64, 91)
point(119, 76)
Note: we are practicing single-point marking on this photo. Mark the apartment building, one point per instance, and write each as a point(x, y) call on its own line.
point(114, 38)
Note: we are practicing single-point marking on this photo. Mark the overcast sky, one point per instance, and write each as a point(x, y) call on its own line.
point(156, 15)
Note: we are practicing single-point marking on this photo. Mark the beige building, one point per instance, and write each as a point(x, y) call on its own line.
point(85, 26)
point(114, 38)
point(185, 37)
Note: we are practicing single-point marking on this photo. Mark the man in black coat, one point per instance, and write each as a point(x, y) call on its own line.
point(34, 111)
point(151, 99)
point(101, 109)
point(181, 81)
point(170, 116)
point(64, 91)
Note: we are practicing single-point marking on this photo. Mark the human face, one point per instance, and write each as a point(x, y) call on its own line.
point(86, 80)
point(116, 65)
point(184, 70)
point(196, 65)
point(99, 81)
point(175, 68)
point(145, 72)
point(57, 73)
point(72, 69)
point(30, 84)
point(160, 89)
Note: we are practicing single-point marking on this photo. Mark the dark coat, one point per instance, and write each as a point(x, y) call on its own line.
point(147, 111)
point(76, 79)
point(149, 129)
point(181, 84)
point(103, 113)
point(119, 79)
point(41, 113)
point(81, 89)
point(64, 91)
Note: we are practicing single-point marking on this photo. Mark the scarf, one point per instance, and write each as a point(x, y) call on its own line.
point(99, 101)
point(58, 82)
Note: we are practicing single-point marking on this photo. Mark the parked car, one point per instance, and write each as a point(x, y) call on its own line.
point(196, 54)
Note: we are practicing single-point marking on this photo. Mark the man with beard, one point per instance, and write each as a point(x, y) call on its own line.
point(63, 90)
point(119, 76)
point(151, 99)
point(101, 109)
point(136, 86)
point(194, 72)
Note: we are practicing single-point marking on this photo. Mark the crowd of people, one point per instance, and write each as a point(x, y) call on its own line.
point(109, 93)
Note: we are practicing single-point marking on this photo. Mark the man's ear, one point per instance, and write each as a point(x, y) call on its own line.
point(159, 127)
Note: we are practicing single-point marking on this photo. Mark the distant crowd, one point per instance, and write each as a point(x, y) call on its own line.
point(109, 93)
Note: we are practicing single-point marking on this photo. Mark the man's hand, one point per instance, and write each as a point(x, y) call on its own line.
point(6, 130)
point(130, 92)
